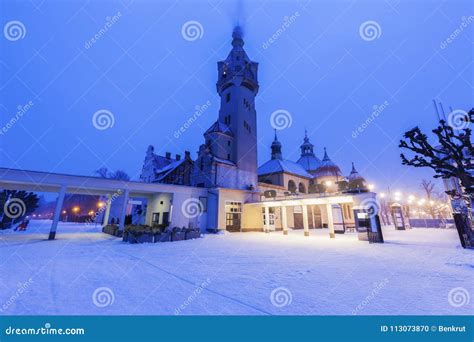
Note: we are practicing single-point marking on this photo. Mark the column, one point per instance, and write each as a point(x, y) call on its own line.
point(124, 209)
point(107, 210)
point(330, 221)
point(312, 216)
point(284, 220)
point(305, 220)
point(266, 221)
point(57, 212)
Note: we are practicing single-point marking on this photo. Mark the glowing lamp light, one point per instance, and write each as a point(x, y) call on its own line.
point(371, 186)
point(64, 211)
point(382, 195)
point(411, 198)
point(432, 202)
point(100, 204)
point(328, 183)
point(75, 209)
point(91, 213)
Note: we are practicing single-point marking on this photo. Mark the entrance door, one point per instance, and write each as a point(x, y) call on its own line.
point(271, 218)
point(318, 221)
point(233, 213)
point(338, 219)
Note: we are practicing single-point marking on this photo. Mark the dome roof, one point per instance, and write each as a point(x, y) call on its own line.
point(355, 175)
point(328, 168)
point(308, 159)
point(309, 163)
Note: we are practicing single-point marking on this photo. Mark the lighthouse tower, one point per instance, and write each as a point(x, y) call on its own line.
point(229, 156)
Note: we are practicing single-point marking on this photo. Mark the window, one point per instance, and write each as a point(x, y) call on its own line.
point(203, 201)
point(228, 142)
point(228, 156)
point(291, 186)
point(227, 97)
point(247, 126)
point(156, 218)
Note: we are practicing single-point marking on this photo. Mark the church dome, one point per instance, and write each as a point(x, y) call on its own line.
point(328, 168)
point(308, 159)
point(355, 175)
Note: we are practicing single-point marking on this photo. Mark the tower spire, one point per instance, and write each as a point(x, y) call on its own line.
point(326, 157)
point(276, 148)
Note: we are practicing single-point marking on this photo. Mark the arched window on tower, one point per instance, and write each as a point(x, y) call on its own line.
point(291, 186)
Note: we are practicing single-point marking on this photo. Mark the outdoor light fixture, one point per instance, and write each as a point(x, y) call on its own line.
point(328, 183)
point(371, 186)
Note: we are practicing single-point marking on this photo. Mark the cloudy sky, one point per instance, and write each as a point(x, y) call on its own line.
point(327, 63)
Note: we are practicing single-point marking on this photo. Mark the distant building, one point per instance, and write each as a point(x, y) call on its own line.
point(165, 169)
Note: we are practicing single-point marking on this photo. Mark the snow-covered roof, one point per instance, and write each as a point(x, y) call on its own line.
point(328, 168)
point(219, 127)
point(309, 163)
point(162, 173)
point(282, 165)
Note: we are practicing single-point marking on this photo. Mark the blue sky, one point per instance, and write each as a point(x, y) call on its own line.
point(143, 71)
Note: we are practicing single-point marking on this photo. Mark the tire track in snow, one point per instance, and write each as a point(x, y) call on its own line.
point(196, 285)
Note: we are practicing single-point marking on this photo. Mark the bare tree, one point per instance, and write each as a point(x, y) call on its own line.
point(428, 187)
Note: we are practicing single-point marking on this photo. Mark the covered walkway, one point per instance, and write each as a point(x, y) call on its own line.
point(161, 197)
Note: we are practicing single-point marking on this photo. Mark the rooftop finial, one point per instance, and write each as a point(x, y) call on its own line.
point(353, 168)
point(326, 157)
point(276, 138)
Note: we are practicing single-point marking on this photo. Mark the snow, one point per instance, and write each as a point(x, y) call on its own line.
point(87, 272)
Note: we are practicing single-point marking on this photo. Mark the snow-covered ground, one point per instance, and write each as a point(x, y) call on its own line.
point(420, 271)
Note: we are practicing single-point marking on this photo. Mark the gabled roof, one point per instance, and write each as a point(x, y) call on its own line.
point(282, 165)
point(219, 127)
point(162, 173)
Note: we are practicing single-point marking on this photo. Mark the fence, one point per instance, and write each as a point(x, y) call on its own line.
point(431, 223)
